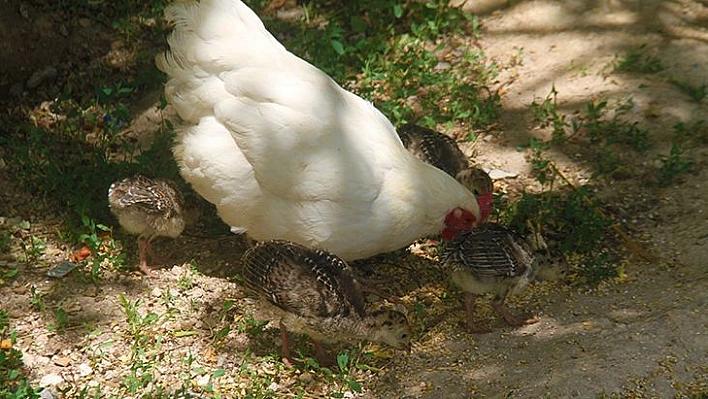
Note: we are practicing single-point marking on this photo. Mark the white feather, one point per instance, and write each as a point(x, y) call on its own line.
point(286, 153)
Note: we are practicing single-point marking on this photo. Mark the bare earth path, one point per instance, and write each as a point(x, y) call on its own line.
point(648, 336)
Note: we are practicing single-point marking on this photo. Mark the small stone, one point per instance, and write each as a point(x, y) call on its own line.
point(496, 174)
point(85, 369)
point(50, 380)
point(203, 380)
point(61, 361)
point(47, 394)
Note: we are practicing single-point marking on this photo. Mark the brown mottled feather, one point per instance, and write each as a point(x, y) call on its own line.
point(490, 250)
point(309, 283)
point(434, 148)
point(315, 293)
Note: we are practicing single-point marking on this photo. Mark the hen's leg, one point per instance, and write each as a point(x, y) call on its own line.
point(472, 326)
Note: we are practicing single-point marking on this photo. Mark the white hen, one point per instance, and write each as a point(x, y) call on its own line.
point(286, 153)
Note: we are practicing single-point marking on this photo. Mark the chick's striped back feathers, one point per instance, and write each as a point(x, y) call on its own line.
point(152, 196)
point(489, 250)
point(434, 148)
point(309, 283)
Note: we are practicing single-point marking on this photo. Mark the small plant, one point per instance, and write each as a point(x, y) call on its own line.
point(97, 237)
point(138, 325)
point(636, 60)
point(33, 248)
point(697, 93)
point(251, 326)
point(61, 318)
point(541, 165)
point(673, 165)
point(13, 381)
point(546, 114)
point(185, 281)
point(5, 240)
point(37, 299)
point(343, 362)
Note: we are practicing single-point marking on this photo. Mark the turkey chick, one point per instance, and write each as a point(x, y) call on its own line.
point(149, 208)
point(314, 293)
point(490, 259)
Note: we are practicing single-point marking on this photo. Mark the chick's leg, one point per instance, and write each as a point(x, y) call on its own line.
point(472, 326)
point(321, 354)
point(512, 320)
point(285, 344)
point(143, 249)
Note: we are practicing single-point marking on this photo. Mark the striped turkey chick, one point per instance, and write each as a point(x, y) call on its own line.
point(490, 259)
point(149, 208)
point(443, 152)
point(314, 293)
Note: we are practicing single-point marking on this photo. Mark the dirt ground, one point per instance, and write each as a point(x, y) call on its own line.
point(643, 336)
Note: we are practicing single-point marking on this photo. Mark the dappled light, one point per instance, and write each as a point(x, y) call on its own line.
point(590, 117)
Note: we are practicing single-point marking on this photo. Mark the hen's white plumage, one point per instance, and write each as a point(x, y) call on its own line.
point(286, 153)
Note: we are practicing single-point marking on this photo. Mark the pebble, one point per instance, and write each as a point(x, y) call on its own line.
point(85, 369)
point(203, 380)
point(496, 174)
point(50, 380)
point(47, 394)
point(61, 361)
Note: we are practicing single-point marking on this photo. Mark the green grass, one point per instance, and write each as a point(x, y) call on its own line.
point(396, 53)
point(637, 60)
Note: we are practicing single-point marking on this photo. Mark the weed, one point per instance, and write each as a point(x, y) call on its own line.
point(97, 237)
point(185, 281)
point(673, 165)
point(540, 165)
point(389, 55)
point(5, 240)
point(33, 248)
point(696, 93)
point(13, 381)
point(250, 325)
point(37, 299)
point(61, 318)
point(343, 362)
point(138, 325)
point(636, 60)
point(546, 114)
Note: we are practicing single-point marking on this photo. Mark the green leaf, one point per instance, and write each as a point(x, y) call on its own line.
point(338, 47)
point(397, 10)
point(342, 360)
